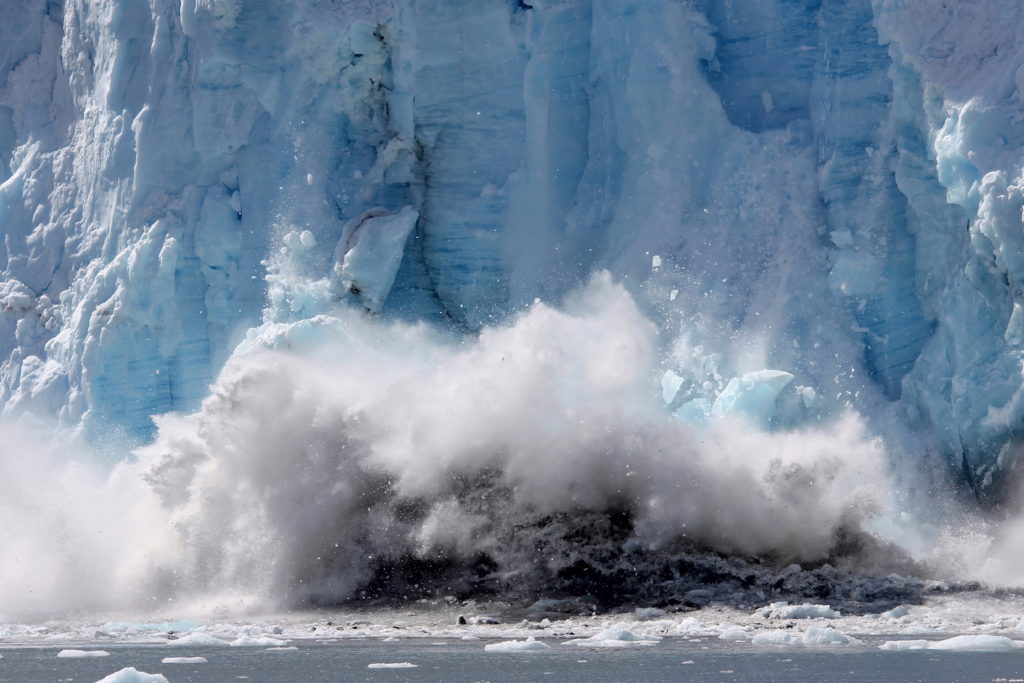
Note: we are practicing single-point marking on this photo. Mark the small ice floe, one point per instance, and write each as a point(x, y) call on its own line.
point(961, 643)
point(977, 644)
point(257, 641)
point(735, 633)
point(130, 674)
point(783, 610)
point(777, 638)
point(392, 665)
point(615, 636)
point(183, 660)
point(904, 645)
point(517, 646)
point(286, 648)
point(82, 654)
point(196, 639)
point(810, 637)
point(827, 636)
point(692, 627)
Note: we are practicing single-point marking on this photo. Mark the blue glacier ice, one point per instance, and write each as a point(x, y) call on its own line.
point(802, 210)
point(753, 395)
point(828, 187)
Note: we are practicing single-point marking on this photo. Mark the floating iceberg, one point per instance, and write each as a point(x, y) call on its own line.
point(196, 639)
point(969, 643)
point(905, 645)
point(527, 645)
point(257, 641)
point(811, 637)
point(617, 636)
point(735, 633)
point(977, 643)
point(130, 674)
point(183, 660)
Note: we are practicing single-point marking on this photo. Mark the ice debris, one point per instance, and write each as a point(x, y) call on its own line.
point(783, 610)
point(895, 613)
point(183, 660)
point(969, 643)
point(196, 639)
point(130, 674)
point(616, 636)
point(904, 645)
point(735, 633)
point(392, 665)
point(257, 641)
point(370, 252)
point(129, 627)
point(517, 645)
point(752, 396)
point(812, 636)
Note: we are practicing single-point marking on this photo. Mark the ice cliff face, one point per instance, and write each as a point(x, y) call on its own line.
point(829, 190)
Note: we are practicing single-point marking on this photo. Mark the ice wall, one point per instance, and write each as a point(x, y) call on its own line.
point(829, 189)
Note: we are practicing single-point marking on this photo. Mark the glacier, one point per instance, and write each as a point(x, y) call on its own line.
point(800, 213)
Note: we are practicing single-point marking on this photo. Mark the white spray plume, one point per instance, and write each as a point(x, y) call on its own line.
point(74, 536)
point(301, 468)
point(331, 443)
